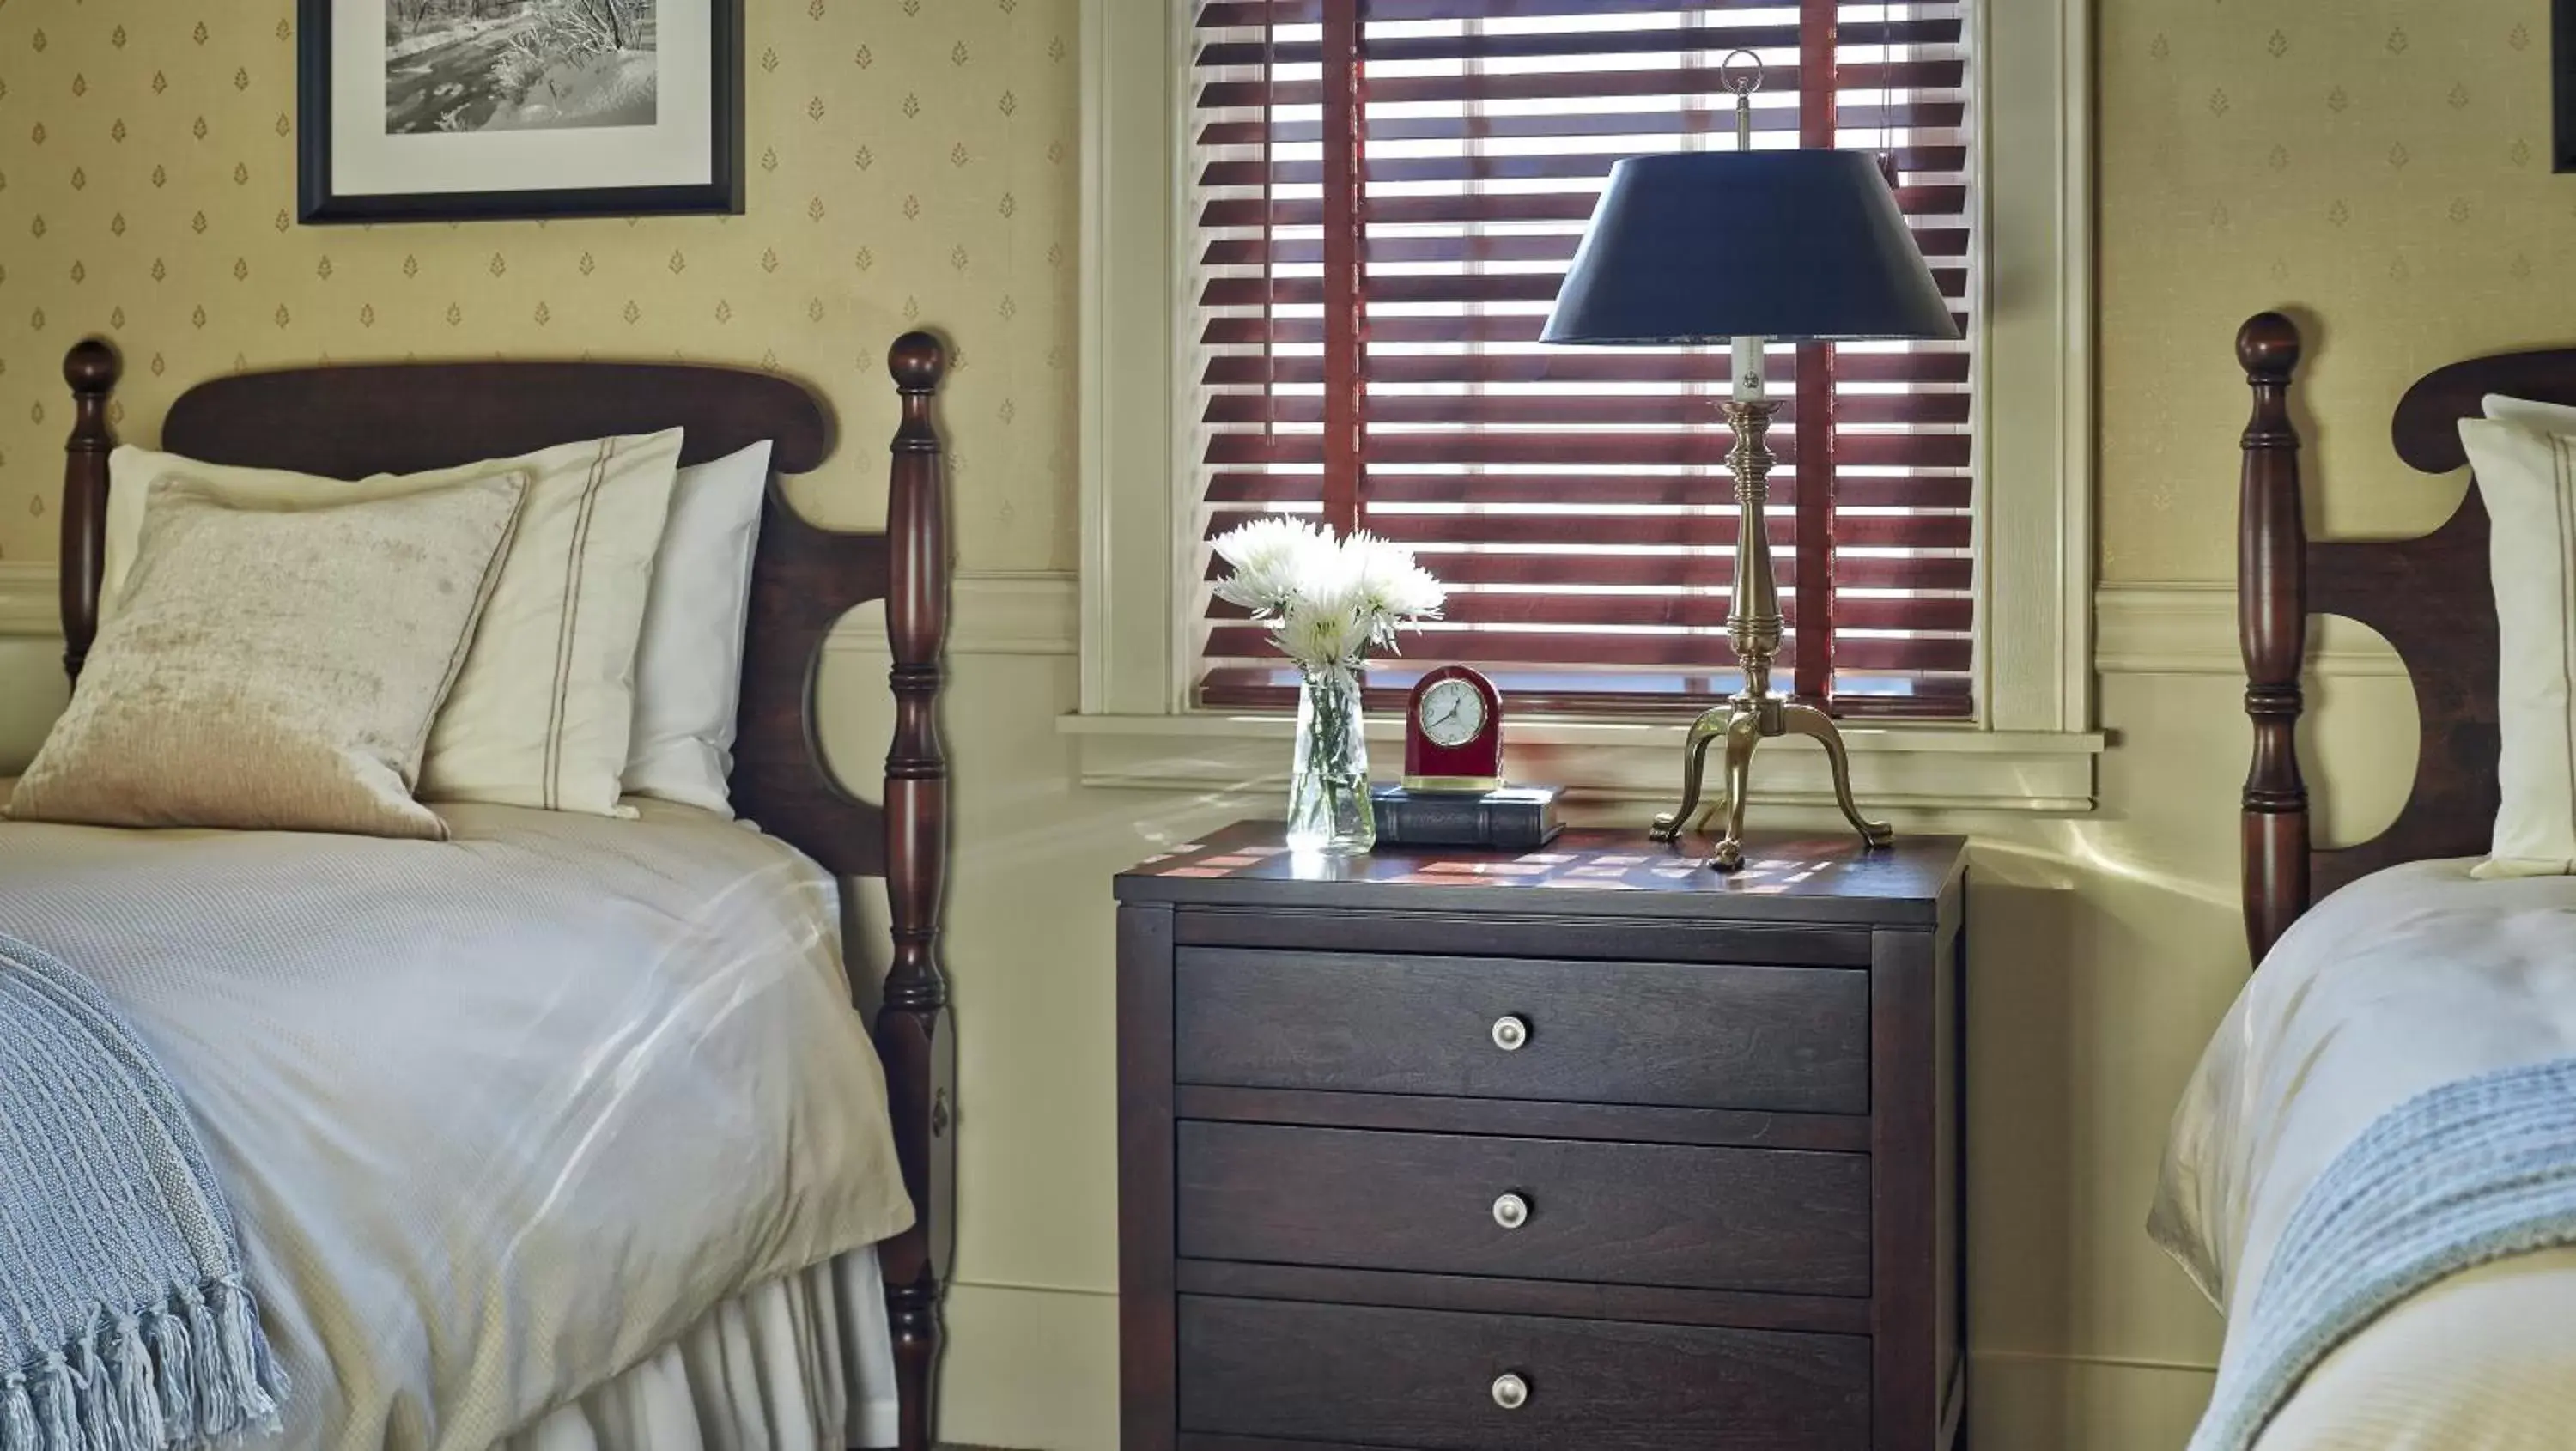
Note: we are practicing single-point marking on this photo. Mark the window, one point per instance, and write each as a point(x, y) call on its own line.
point(2018, 736)
point(1380, 198)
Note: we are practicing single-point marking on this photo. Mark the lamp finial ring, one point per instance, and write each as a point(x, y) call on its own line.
point(1743, 80)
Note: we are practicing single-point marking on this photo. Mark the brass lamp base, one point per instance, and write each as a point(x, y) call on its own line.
point(1754, 627)
point(1746, 722)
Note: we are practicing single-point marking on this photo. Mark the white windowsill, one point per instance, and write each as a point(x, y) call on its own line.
point(1894, 766)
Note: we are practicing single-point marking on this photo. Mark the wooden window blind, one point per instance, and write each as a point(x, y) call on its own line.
point(1384, 196)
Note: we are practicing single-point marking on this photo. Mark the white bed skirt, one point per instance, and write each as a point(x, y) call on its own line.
point(803, 1363)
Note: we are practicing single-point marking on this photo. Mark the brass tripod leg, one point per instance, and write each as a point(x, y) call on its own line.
point(1806, 720)
point(1743, 733)
point(1710, 725)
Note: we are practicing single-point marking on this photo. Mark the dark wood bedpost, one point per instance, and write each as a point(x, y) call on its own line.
point(2272, 626)
point(91, 368)
point(912, 1031)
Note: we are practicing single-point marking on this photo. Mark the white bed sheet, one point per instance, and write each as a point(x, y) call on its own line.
point(2399, 983)
point(500, 1117)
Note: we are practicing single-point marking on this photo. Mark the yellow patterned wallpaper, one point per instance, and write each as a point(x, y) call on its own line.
point(910, 162)
point(2380, 168)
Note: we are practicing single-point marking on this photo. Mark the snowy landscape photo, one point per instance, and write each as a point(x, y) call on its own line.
point(481, 110)
point(468, 66)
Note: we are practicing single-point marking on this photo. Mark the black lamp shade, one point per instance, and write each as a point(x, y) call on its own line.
point(1704, 246)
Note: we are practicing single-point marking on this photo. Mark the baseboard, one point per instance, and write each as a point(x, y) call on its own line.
point(1030, 1367)
point(2026, 1401)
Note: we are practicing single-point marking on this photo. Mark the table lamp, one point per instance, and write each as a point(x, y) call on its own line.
point(1743, 246)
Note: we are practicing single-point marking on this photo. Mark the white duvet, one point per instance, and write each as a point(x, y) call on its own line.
point(498, 1116)
point(2402, 982)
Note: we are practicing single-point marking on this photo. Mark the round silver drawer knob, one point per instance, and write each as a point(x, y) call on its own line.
point(1510, 1391)
point(1511, 1211)
point(1510, 1033)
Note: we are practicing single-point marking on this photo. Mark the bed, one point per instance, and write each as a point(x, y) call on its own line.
point(2386, 971)
point(598, 1150)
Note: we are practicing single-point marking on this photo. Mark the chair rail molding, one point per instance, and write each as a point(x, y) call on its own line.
point(2188, 627)
point(997, 612)
point(28, 607)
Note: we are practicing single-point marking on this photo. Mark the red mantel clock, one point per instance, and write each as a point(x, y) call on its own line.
point(1453, 734)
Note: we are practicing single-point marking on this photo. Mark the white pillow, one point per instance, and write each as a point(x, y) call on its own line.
point(688, 668)
point(543, 708)
point(2524, 476)
point(2530, 413)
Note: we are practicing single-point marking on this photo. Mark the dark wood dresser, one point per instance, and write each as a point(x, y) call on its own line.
point(1584, 1149)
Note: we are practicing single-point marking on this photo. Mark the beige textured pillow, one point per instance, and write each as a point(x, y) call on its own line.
point(542, 713)
point(277, 670)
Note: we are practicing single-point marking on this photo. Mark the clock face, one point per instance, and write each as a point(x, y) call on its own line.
point(1452, 713)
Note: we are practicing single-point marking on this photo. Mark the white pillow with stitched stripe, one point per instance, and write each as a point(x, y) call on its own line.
point(2527, 478)
point(542, 711)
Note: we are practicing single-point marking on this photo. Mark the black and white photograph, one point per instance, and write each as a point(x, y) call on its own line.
point(516, 65)
point(458, 110)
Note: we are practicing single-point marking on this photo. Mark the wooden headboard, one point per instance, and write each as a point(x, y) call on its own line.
point(2430, 597)
point(349, 421)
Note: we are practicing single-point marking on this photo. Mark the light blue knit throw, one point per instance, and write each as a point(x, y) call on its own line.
point(125, 1324)
point(2451, 1179)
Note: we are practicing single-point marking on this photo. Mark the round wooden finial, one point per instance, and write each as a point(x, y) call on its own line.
point(918, 361)
point(2268, 345)
point(91, 366)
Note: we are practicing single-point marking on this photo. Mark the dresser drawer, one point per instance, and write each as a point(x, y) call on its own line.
point(1677, 1034)
point(1427, 1379)
point(1639, 1214)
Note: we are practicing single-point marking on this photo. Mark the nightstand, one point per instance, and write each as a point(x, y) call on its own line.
point(1588, 1147)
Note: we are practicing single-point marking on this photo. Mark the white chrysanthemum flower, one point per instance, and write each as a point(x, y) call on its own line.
point(1392, 589)
point(1322, 634)
point(1330, 603)
point(1271, 558)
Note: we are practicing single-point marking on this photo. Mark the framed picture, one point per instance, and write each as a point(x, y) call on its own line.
point(2562, 84)
point(465, 110)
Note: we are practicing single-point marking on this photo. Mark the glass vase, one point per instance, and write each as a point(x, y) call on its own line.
point(1328, 784)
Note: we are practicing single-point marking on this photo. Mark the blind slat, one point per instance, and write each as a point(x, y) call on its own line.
point(1861, 491)
point(1513, 327)
point(1694, 410)
point(1704, 448)
point(1620, 649)
point(1540, 123)
point(1497, 207)
point(1936, 573)
point(1912, 491)
point(1702, 609)
point(1938, 364)
point(1709, 40)
point(1907, 530)
point(1252, 14)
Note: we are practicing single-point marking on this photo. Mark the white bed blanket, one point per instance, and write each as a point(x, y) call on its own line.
point(2405, 981)
point(500, 1116)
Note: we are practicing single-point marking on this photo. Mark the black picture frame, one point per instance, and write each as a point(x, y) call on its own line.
point(2562, 85)
point(317, 203)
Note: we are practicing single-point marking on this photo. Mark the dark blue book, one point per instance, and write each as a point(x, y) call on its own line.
point(1515, 818)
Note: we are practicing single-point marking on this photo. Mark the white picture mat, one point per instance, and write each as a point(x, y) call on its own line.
point(677, 150)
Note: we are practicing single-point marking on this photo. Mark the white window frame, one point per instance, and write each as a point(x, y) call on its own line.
point(2032, 746)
